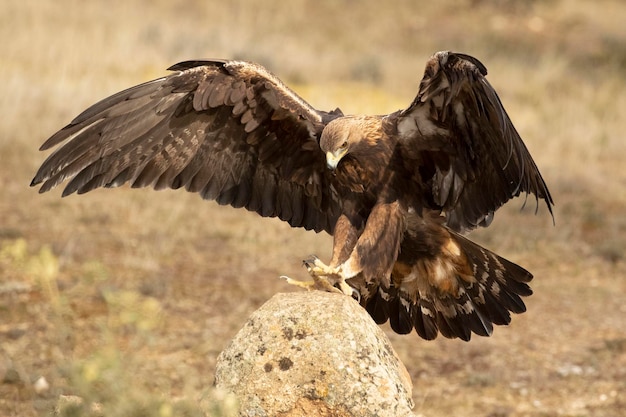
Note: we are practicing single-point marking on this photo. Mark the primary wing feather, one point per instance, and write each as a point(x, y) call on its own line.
point(228, 130)
point(466, 150)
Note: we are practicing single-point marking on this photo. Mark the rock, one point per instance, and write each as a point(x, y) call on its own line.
point(314, 354)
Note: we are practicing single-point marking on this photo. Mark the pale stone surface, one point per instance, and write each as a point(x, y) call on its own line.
point(315, 354)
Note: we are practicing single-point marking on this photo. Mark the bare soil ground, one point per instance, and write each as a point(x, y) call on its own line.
point(126, 297)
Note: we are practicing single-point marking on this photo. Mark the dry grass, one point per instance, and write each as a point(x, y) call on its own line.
point(126, 297)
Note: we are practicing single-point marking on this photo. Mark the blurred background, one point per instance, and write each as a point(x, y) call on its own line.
point(126, 297)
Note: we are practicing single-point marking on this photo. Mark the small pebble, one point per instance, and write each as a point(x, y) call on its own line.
point(41, 385)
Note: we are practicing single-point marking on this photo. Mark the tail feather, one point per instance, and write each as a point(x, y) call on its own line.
point(460, 289)
point(378, 306)
point(495, 310)
point(424, 321)
point(480, 324)
point(400, 314)
point(453, 326)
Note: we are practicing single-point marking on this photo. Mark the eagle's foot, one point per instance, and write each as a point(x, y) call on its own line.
point(328, 278)
point(317, 283)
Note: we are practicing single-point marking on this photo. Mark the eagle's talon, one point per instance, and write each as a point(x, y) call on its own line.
point(356, 295)
point(317, 268)
point(307, 285)
point(306, 262)
point(310, 263)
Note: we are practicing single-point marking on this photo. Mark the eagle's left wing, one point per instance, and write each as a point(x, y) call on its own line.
point(460, 144)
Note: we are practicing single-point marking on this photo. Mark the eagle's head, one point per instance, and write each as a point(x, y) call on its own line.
point(349, 135)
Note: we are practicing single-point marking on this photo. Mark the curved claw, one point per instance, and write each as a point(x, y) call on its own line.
point(356, 295)
point(308, 285)
point(317, 268)
point(310, 260)
point(309, 263)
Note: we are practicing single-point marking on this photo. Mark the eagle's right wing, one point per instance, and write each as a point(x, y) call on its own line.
point(228, 130)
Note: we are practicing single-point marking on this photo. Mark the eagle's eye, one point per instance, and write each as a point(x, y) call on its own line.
point(344, 145)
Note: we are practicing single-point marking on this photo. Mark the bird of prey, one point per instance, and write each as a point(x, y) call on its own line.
point(396, 191)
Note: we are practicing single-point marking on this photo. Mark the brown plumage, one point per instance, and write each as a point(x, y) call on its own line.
point(395, 191)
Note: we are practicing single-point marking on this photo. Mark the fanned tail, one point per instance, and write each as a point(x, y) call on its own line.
point(448, 285)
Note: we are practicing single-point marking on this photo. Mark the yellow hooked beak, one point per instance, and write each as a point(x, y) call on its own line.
point(333, 158)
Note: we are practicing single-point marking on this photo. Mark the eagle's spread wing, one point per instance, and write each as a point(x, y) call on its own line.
point(463, 145)
point(228, 130)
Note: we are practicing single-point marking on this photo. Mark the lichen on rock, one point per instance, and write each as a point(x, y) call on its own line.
point(315, 353)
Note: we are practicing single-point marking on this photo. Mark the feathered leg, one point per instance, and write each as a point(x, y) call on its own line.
point(380, 240)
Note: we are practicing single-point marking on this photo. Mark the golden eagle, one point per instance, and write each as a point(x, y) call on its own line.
point(395, 191)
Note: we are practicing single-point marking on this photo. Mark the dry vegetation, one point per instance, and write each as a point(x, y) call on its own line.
point(125, 297)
